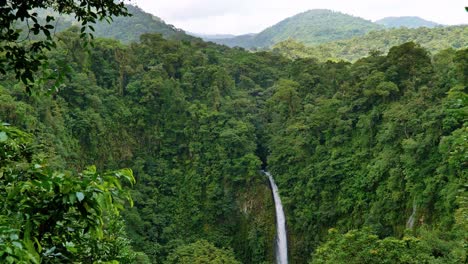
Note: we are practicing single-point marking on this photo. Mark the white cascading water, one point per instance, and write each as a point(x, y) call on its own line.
point(281, 240)
point(411, 219)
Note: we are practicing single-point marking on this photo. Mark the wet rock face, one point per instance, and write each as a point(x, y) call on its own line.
point(255, 239)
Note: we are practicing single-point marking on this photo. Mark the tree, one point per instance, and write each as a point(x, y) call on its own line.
point(24, 56)
point(286, 98)
point(200, 252)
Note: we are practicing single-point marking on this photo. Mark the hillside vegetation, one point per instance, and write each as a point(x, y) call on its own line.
point(434, 40)
point(406, 21)
point(125, 29)
point(129, 29)
point(311, 27)
point(377, 144)
point(181, 116)
point(355, 148)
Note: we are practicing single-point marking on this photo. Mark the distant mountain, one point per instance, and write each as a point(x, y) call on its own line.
point(125, 29)
point(406, 21)
point(433, 39)
point(311, 27)
point(129, 29)
point(245, 41)
point(210, 37)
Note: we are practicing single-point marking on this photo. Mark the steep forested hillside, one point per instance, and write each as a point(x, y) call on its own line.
point(380, 144)
point(129, 29)
point(434, 40)
point(182, 116)
point(311, 27)
point(369, 157)
point(406, 21)
point(124, 29)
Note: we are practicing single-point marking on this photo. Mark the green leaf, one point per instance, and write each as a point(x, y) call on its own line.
point(8, 250)
point(72, 198)
point(127, 174)
point(80, 196)
point(17, 244)
point(3, 137)
point(71, 247)
point(14, 237)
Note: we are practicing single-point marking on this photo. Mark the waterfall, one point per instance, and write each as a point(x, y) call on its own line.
point(281, 240)
point(410, 222)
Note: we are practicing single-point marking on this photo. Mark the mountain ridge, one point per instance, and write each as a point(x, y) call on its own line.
point(139, 23)
point(125, 29)
point(432, 39)
point(406, 21)
point(311, 27)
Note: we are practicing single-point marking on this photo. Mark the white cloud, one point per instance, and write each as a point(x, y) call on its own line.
point(245, 16)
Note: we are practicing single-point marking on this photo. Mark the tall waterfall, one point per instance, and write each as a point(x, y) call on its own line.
point(411, 219)
point(281, 240)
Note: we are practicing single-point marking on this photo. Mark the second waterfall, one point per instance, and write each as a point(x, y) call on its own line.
point(281, 238)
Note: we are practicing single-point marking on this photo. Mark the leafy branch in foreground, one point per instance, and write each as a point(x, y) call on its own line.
point(23, 56)
point(55, 217)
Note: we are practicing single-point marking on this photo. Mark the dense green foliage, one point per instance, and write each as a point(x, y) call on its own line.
point(181, 115)
point(434, 40)
point(311, 27)
point(375, 149)
point(357, 247)
point(378, 143)
point(25, 56)
point(201, 252)
point(52, 216)
point(406, 21)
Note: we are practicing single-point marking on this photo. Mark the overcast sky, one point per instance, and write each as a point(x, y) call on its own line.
point(252, 16)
